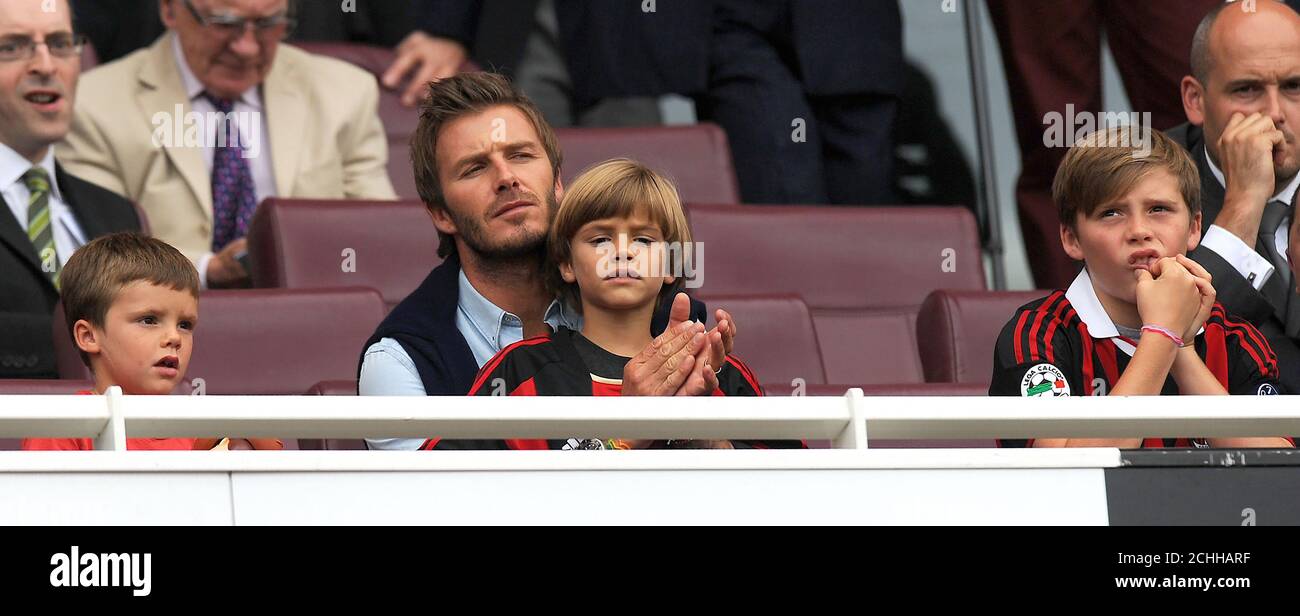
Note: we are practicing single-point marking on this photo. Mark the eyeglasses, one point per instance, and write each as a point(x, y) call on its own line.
point(232, 26)
point(60, 45)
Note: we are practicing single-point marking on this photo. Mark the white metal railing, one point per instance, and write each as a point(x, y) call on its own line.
point(846, 420)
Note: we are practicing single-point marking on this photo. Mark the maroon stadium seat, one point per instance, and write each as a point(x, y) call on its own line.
point(38, 387)
point(399, 167)
point(343, 387)
point(961, 328)
point(67, 359)
point(300, 244)
point(862, 271)
point(268, 341)
point(783, 346)
point(44, 387)
point(144, 219)
point(332, 388)
point(696, 157)
point(89, 59)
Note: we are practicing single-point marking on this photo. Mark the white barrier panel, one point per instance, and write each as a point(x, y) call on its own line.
point(990, 486)
point(846, 420)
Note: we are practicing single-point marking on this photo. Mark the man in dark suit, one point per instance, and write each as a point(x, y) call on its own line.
point(807, 92)
point(48, 213)
point(1243, 111)
point(583, 63)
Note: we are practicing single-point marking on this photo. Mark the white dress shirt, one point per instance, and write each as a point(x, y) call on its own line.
point(1250, 264)
point(68, 235)
point(249, 102)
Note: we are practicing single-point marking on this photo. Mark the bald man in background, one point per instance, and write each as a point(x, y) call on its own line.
point(1242, 102)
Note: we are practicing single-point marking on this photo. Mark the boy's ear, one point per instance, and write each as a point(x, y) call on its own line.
point(1070, 241)
point(566, 272)
point(85, 337)
point(1194, 233)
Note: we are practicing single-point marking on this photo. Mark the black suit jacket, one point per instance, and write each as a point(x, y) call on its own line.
point(27, 296)
point(611, 47)
point(848, 46)
point(1234, 292)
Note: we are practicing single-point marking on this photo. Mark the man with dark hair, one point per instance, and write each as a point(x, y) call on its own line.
point(487, 166)
point(1242, 102)
point(50, 213)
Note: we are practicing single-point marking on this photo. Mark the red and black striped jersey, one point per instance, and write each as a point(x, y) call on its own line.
point(1048, 349)
point(552, 366)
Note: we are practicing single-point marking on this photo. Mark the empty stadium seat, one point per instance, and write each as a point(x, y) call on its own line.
point(399, 167)
point(301, 244)
point(89, 58)
point(266, 341)
point(38, 387)
point(44, 387)
point(961, 329)
point(696, 157)
point(783, 345)
point(862, 271)
point(332, 388)
point(144, 219)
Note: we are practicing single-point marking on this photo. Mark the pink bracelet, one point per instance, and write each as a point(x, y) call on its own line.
point(1178, 340)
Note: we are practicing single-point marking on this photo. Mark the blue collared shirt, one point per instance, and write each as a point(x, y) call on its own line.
point(387, 370)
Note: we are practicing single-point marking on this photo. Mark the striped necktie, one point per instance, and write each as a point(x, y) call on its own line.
point(40, 227)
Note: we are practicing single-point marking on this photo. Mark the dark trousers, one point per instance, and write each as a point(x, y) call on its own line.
point(788, 145)
point(1052, 55)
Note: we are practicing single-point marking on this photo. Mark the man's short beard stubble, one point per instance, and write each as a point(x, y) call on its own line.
point(520, 244)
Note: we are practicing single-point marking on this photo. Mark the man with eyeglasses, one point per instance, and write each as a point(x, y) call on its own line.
point(218, 115)
point(48, 212)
